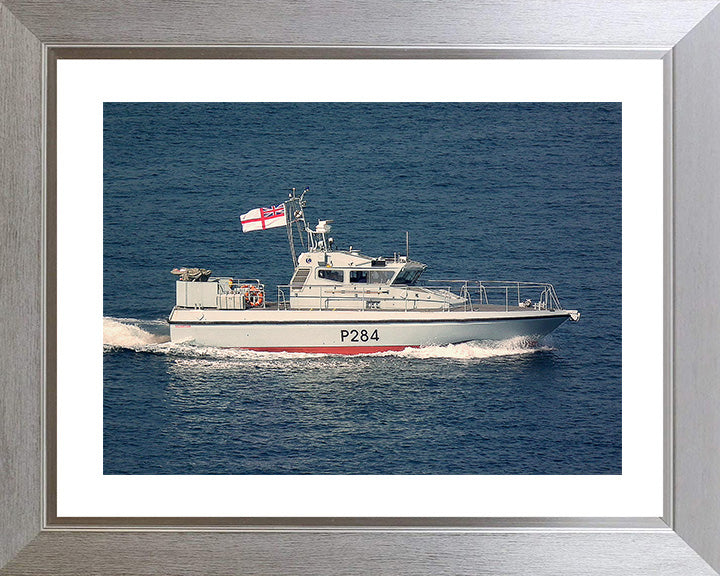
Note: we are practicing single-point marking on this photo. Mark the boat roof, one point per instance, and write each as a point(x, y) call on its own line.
point(344, 258)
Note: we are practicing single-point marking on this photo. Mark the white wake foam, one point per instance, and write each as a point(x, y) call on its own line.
point(477, 350)
point(466, 351)
point(118, 334)
point(198, 351)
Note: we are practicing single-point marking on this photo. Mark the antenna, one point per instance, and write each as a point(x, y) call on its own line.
point(407, 244)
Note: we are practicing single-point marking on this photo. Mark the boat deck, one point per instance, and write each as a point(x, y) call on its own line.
point(475, 308)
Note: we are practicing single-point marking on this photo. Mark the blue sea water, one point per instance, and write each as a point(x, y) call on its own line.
point(519, 191)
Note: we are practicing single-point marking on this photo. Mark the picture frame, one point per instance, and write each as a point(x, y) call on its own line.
point(683, 34)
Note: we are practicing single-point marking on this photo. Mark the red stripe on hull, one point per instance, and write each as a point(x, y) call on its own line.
point(332, 349)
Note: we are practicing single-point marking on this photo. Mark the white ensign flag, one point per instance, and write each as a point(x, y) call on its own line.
point(264, 218)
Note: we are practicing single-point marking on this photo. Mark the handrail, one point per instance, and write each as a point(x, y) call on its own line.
point(546, 297)
point(361, 294)
point(238, 280)
point(242, 286)
point(472, 293)
point(235, 283)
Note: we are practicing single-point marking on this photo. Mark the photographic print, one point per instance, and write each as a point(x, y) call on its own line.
point(329, 288)
point(656, 68)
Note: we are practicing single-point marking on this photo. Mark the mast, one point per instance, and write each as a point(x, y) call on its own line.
point(289, 226)
point(295, 214)
point(317, 239)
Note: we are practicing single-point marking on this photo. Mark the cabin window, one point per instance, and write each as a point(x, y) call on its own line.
point(334, 275)
point(407, 276)
point(359, 276)
point(379, 276)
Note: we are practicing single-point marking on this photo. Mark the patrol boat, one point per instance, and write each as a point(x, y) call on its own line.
point(344, 302)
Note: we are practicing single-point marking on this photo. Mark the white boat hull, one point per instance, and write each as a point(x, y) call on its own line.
point(354, 332)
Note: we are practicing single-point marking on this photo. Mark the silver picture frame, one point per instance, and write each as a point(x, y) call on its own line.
point(685, 34)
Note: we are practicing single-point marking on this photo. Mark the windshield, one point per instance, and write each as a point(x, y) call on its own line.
point(408, 276)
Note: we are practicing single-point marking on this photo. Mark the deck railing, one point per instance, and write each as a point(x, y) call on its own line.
point(538, 295)
point(473, 295)
point(242, 286)
point(367, 298)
